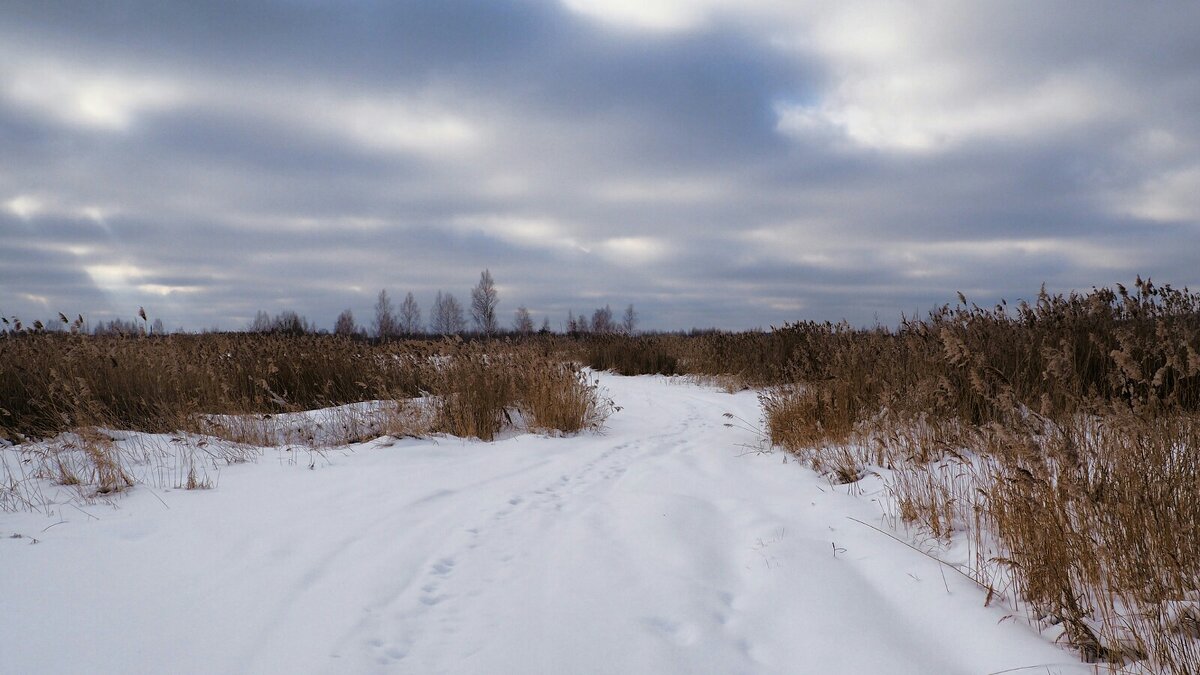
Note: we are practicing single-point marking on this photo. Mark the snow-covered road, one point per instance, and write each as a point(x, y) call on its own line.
point(662, 545)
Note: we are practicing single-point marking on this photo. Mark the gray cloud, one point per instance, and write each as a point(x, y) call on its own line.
point(716, 164)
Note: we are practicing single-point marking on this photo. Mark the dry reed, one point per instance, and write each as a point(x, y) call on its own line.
point(1060, 438)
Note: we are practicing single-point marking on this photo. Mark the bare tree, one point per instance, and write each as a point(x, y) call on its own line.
point(602, 320)
point(385, 316)
point(410, 315)
point(289, 322)
point(629, 320)
point(545, 329)
point(437, 315)
point(261, 324)
point(446, 318)
point(522, 322)
point(455, 319)
point(483, 304)
point(345, 324)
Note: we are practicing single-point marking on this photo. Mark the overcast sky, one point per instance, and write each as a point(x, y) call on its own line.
point(727, 163)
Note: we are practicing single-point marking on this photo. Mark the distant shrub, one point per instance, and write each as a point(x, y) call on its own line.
point(630, 356)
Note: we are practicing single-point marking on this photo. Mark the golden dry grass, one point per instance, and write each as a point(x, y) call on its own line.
point(51, 383)
point(478, 387)
point(236, 385)
point(253, 390)
point(1062, 439)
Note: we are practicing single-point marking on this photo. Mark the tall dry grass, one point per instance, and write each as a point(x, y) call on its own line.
point(56, 382)
point(1060, 438)
point(260, 390)
point(647, 355)
point(479, 387)
point(747, 358)
point(51, 383)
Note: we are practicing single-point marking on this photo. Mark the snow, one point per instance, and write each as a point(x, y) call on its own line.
point(664, 544)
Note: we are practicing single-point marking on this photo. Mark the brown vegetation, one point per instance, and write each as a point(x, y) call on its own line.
point(1061, 438)
point(62, 394)
point(51, 383)
point(238, 385)
point(480, 387)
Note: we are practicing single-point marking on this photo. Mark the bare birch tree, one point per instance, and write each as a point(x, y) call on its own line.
point(522, 322)
point(629, 320)
point(484, 299)
point(446, 318)
point(602, 320)
point(385, 317)
point(345, 324)
point(410, 315)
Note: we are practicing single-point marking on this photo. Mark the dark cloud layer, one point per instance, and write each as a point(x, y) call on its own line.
point(732, 164)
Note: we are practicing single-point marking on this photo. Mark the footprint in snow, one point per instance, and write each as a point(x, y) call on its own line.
point(443, 567)
point(682, 633)
point(396, 652)
point(431, 600)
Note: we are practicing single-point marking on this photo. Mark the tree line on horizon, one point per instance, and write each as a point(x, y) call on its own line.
point(446, 317)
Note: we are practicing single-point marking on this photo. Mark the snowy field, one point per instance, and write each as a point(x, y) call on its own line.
point(666, 544)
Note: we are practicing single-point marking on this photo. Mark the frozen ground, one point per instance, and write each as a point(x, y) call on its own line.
point(660, 546)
